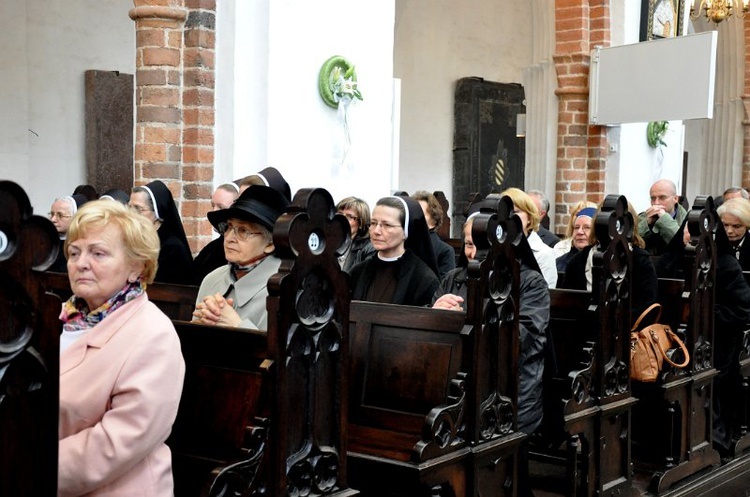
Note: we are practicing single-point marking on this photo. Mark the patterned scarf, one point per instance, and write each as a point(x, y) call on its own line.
point(76, 314)
point(240, 271)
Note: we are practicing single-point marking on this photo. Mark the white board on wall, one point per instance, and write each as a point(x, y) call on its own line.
point(660, 80)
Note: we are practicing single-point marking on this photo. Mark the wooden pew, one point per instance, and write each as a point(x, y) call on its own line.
point(493, 314)
point(741, 441)
point(672, 429)
point(407, 401)
point(589, 397)
point(224, 413)
point(29, 350)
point(433, 397)
point(265, 413)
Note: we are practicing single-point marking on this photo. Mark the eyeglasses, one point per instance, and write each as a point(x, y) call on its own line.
point(383, 226)
point(240, 232)
point(350, 217)
point(140, 208)
point(58, 215)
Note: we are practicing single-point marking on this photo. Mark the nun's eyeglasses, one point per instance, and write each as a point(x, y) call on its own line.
point(383, 226)
point(241, 232)
point(58, 215)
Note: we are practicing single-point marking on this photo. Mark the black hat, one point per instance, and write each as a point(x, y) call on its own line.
point(79, 199)
point(258, 204)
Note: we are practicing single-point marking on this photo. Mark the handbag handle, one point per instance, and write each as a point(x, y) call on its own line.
point(646, 313)
point(674, 337)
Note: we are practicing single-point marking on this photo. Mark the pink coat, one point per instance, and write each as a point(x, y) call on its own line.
point(120, 387)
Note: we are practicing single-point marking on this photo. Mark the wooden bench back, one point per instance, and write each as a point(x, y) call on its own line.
point(406, 364)
point(223, 411)
point(29, 349)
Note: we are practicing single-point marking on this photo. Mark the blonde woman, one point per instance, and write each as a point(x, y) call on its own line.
point(525, 208)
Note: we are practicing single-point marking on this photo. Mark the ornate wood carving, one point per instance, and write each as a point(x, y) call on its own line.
point(308, 316)
point(29, 350)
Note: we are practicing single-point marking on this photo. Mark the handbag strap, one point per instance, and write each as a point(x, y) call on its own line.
point(646, 313)
point(674, 337)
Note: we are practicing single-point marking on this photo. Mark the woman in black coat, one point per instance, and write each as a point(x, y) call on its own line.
point(404, 270)
point(735, 216)
point(645, 284)
point(155, 202)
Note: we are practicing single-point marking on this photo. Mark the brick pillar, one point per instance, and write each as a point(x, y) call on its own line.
point(581, 149)
point(175, 49)
point(746, 106)
point(199, 65)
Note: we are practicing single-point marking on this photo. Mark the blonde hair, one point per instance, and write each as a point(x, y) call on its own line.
point(139, 236)
point(737, 207)
point(522, 200)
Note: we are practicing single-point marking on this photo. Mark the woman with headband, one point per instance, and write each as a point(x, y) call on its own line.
point(579, 237)
point(154, 201)
point(404, 270)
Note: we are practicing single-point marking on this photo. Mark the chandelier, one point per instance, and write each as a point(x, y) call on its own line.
point(718, 10)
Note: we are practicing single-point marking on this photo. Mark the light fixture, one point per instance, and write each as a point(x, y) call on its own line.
point(718, 10)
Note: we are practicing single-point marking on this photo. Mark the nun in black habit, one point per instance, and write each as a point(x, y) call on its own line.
point(155, 202)
point(404, 270)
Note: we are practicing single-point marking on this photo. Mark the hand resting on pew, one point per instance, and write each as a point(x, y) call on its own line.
point(450, 302)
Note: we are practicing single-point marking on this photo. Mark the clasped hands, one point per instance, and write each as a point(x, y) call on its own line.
point(654, 212)
point(216, 310)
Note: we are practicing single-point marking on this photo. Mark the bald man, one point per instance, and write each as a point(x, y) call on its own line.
point(662, 220)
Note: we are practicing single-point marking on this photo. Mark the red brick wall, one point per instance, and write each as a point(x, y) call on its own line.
point(746, 121)
point(580, 25)
point(174, 134)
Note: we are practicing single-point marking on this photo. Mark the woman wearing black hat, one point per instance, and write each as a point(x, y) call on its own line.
point(235, 294)
point(155, 202)
point(404, 271)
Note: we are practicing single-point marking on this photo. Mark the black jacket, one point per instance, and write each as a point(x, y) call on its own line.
point(644, 286)
point(533, 320)
point(446, 256)
point(416, 281)
point(209, 258)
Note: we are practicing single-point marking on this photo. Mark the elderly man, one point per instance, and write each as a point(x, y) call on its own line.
point(660, 222)
point(735, 192)
point(542, 205)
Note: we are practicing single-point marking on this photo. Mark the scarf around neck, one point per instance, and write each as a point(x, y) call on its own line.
point(76, 314)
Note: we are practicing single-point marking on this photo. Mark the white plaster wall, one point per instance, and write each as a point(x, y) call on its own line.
point(47, 46)
point(632, 165)
point(437, 43)
point(279, 118)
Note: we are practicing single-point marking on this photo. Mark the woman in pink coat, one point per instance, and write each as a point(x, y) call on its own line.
point(121, 367)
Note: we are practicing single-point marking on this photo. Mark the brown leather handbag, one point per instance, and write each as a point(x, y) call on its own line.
point(649, 346)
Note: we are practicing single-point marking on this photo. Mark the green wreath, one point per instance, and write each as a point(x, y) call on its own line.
point(337, 80)
point(655, 133)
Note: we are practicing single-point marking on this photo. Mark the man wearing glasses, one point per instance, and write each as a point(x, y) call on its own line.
point(61, 213)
